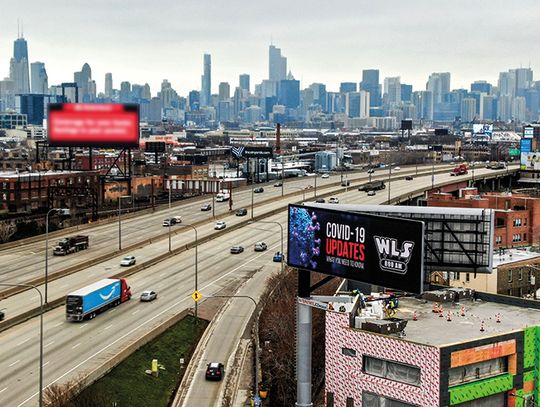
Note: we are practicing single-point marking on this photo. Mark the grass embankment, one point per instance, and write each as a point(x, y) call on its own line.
point(128, 385)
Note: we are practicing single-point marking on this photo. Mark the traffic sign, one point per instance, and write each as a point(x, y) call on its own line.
point(196, 296)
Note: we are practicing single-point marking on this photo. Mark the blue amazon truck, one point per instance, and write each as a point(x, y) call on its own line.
point(89, 301)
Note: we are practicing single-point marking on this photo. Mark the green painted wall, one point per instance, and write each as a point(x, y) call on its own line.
point(481, 388)
point(531, 359)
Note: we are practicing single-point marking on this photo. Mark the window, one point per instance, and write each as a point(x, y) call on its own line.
point(498, 239)
point(348, 352)
point(499, 223)
point(509, 291)
point(468, 277)
point(350, 402)
point(521, 291)
point(477, 371)
point(524, 221)
point(374, 400)
point(329, 399)
point(525, 236)
point(520, 275)
point(398, 372)
point(509, 276)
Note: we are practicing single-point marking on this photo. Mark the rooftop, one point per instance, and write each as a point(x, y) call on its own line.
point(432, 329)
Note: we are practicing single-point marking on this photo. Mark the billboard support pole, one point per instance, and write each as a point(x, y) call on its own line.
point(303, 344)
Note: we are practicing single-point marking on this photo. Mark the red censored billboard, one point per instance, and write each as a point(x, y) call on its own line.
point(373, 249)
point(110, 125)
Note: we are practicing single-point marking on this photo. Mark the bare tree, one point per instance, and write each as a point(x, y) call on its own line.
point(73, 394)
point(277, 332)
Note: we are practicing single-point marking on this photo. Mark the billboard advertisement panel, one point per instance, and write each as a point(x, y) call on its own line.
point(252, 152)
point(93, 125)
point(373, 249)
point(530, 160)
point(483, 130)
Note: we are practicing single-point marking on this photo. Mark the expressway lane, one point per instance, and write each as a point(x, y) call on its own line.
point(77, 347)
point(24, 263)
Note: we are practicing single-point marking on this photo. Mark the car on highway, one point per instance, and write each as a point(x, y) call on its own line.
point(237, 249)
point(345, 183)
point(333, 200)
point(260, 247)
point(278, 184)
point(206, 207)
point(325, 176)
point(220, 224)
point(147, 296)
point(2, 315)
point(241, 212)
point(258, 190)
point(278, 257)
point(409, 178)
point(370, 171)
point(169, 222)
point(214, 371)
point(371, 193)
point(128, 261)
point(319, 200)
point(397, 168)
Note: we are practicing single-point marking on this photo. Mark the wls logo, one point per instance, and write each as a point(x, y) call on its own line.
point(238, 151)
point(392, 258)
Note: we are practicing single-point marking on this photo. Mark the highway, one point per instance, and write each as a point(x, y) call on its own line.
point(71, 349)
point(25, 263)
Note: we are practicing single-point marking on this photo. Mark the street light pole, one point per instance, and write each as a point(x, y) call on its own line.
point(282, 177)
point(170, 218)
point(40, 335)
point(196, 264)
point(256, 335)
point(315, 185)
point(389, 182)
point(47, 251)
point(120, 221)
point(281, 227)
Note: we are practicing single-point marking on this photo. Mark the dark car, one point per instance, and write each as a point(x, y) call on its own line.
point(278, 184)
point(214, 371)
point(319, 200)
point(258, 190)
point(241, 212)
point(409, 178)
point(237, 249)
point(2, 315)
point(206, 207)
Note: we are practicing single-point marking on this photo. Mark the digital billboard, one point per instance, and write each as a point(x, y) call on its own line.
point(252, 152)
point(530, 160)
point(109, 125)
point(483, 130)
point(373, 249)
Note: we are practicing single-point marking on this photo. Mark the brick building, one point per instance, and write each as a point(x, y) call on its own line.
point(472, 354)
point(31, 191)
point(517, 219)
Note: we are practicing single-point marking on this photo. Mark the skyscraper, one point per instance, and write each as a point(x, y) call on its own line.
point(319, 95)
point(108, 85)
point(18, 66)
point(82, 79)
point(392, 90)
point(224, 91)
point(481, 86)
point(370, 83)
point(244, 82)
point(277, 64)
point(345, 87)
point(289, 93)
point(439, 85)
point(468, 109)
point(40, 81)
point(125, 92)
point(206, 81)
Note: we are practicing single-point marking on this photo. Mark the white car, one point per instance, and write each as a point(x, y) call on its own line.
point(220, 224)
point(371, 193)
point(128, 261)
point(325, 176)
point(397, 168)
point(333, 200)
point(260, 247)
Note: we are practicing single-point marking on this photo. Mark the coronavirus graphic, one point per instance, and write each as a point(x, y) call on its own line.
point(304, 246)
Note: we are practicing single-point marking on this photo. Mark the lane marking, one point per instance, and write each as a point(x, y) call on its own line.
point(3, 390)
point(82, 326)
point(46, 363)
point(112, 310)
point(134, 312)
point(58, 324)
point(49, 344)
point(26, 340)
point(75, 346)
point(14, 363)
point(108, 327)
point(138, 327)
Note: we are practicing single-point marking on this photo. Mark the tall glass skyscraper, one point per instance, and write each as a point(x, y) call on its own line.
point(277, 64)
point(206, 81)
point(18, 67)
point(370, 83)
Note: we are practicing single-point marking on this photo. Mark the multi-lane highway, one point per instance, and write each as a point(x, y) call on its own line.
point(72, 348)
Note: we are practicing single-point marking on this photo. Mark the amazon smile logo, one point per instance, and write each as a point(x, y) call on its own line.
point(106, 297)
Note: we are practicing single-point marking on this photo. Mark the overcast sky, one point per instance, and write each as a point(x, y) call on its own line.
point(324, 41)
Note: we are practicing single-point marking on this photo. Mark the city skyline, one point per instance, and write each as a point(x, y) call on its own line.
point(315, 53)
